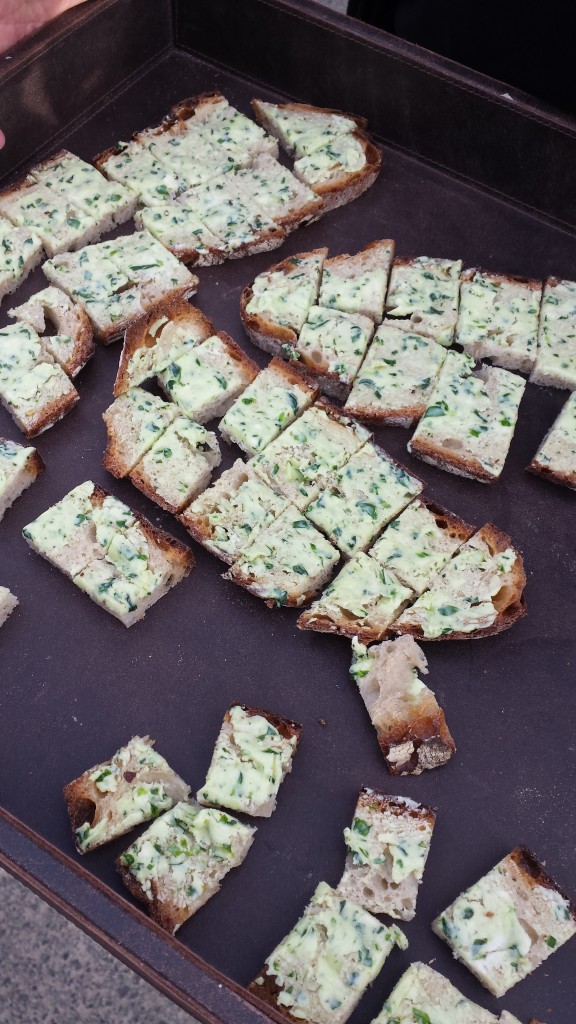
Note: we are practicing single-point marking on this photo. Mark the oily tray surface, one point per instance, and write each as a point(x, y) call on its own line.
point(76, 684)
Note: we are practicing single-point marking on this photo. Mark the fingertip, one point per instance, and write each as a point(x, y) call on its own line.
point(2, 139)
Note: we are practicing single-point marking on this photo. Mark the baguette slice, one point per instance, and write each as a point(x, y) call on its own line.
point(556, 457)
point(58, 223)
point(555, 365)
point(107, 801)
point(134, 422)
point(422, 994)
point(205, 380)
point(357, 284)
point(519, 900)
point(19, 468)
point(7, 604)
point(275, 307)
point(253, 754)
point(498, 318)
point(178, 466)
point(73, 344)
point(423, 296)
point(67, 175)
point(332, 346)
point(387, 849)
point(20, 252)
point(410, 725)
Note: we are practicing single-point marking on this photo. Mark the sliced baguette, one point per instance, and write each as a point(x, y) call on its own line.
point(555, 459)
point(275, 307)
point(19, 467)
point(8, 602)
point(73, 344)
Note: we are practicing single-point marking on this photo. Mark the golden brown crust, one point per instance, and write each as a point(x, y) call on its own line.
point(555, 476)
point(84, 343)
point(350, 186)
point(168, 917)
point(139, 480)
point(287, 729)
point(268, 992)
point(248, 583)
point(429, 740)
point(185, 109)
point(319, 623)
point(374, 801)
point(293, 374)
point(452, 462)
point(534, 874)
point(406, 416)
point(103, 157)
point(34, 463)
point(527, 282)
point(50, 414)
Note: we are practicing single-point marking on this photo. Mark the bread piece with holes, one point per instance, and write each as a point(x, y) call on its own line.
point(204, 380)
point(422, 994)
point(555, 365)
point(73, 344)
point(478, 593)
point(357, 284)
point(179, 862)
point(67, 175)
point(60, 224)
point(20, 251)
point(19, 467)
point(134, 422)
point(107, 801)
point(178, 466)
point(253, 754)
point(508, 923)
point(498, 318)
point(7, 604)
point(555, 459)
point(332, 346)
point(275, 307)
point(410, 725)
point(387, 848)
point(423, 296)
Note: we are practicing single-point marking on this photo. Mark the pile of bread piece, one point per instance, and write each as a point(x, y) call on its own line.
point(376, 332)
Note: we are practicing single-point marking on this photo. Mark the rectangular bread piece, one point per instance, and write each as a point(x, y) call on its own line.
point(110, 799)
point(73, 343)
point(224, 210)
point(397, 377)
point(556, 457)
point(178, 466)
point(179, 228)
point(498, 318)
point(33, 388)
point(19, 467)
point(272, 188)
point(230, 514)
point(357, 284)
point(387, 848)
point(181, 859)
point(205, 379)
point(423, 296)
point(422, 994)
point(320, 971)
point(508, 923)
point(59, 224)
point(470, 418)
point(410, 725)
point(134, 422)
point(20, 251)
point(332, 346)
point(66, 174)
point(274, 308)
point(136, 168)
point(275, 398)
point(301, 128)
point(555, 365)
point(7, 604)
point(191, 157)
point(225, 127)
point(253, 754)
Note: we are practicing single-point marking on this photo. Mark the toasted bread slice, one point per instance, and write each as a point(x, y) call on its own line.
point(470, 418)
point(423, 296)
point(183, 233)
point(179, 862)
point(332, 346)
point(178, 466)
point(8, 602)
point(516, 898)
point(206, 379)
point(410, 725)
point(39, 398)
point(20, 251)
point(301, 128)
point(387, 849)
point(107, 801)
point(397, 377)
point(486, 567)
point(424, 994)
point(67, 175)
point(58, 223)
point(73, 344)
point(136, 168)
point(498, 318)
point(556, 457)
point(191, 157)
point(357, 284)
point(335, 939)
point(253, 754)
point(19, 467)
point(223, 208)
point(271, 187)
point(221, 125)
point(275, 307)
point(555, 365)
point(134, 422)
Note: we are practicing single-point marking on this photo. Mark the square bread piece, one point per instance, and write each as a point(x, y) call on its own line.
point(206, 379)
point(135, 167)
point(362, 601)
point(274, 399)
point(73, 343)
point(252, 756)
point(478, 593)
point(7, 604)
point(470, 418)
point(19, 467)
point(230, 514)
point(179, 862)
point(287, 563)
point(33, 388)
point(111, 553)
point(357, 284)
point(20, 252)
point(397, 377)
point(224, 210)
point(341, 169)
point(135, 785)
point(410, 725)
point(299, 462)
point(178, 466)
point(134, 422)
point(555, 365)
point(361, 497)
point(223, 125)
point(275, 307)
point(498, 318)
point(388, 845)
point(182, 232)
point(271, 187)
point(556, 457)
point(189, 156)
point(423, 296)
point(109, 204)
point(509, 922)
point(332, 346)
point(59, 224)
point(320, 971)
point(424, 995)
point(417, 544)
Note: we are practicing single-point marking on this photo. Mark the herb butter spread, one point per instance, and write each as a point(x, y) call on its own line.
point(333, 342)
point(498, 319)
point(423, 295)
point(67, 175)
point(557, 453)
point(178, 465)
point(230, 131)
point(18, 469)
point(135, 421)
point(181, 230)
point(205, 379)
point(57, 222)
point(285, 296)
point(274, 189)
point(20, 250)
point(303, 131)
point(364, 293)
point(137, 168)
point(187, 154)
point(363, 600)
point(222, 208)
point(556, 357)
point(422, 996)
point(20, 350)
point(250, 760)
point(341, 155)
point(268, 405)
point(416, 545)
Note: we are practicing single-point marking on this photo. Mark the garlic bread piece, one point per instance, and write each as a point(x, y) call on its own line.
point(190, 157)
point(423, 296)
point(357, 284)
point(205, 379)
point(271, 187)
point(136, 168)
point(73, 344)
point(59, 224)
point(134, 422)
point(422, 994)
point(223, 126)
point(178, 466)
point(556, 457)
point(20, 252)
point(183, 233)
point(19, 467)
point(301, 128)
point(275, 307)
point(38, 398)
point(555, 364)
point(8, 602)
point(498, 318)
point(227, 213)
point(332, 346)
point(67, 175)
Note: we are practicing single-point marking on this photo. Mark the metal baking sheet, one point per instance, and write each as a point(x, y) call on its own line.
point(75, 684)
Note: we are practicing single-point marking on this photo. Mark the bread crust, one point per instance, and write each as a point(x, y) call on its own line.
point(406, 416)
point(534, 874)
point(376, 801)
point(285, 726)
point(350, 186)
point(246, 581)
point(555, 476)
point(83, 335)
point(527, 282)
point(166, 916)
point(449, 520)
point(267, 990)
point(34, 464)
point(452, 462)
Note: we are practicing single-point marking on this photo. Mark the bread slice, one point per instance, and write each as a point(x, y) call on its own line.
point(357, 284)
point(38, 398)
point(478, 593)
point(59, 224)
point(298, 463)
point(555, 365)
point(182, 232)
point(271, 187)
point(275, 307)
point(7, 604)
point(67, 175)
point(556, 457)
point(134, 422)
point(301, 128)
point(275, 398)
point(20, 252)
point(178, 466)
point(498, 318)
point(222, 207)
point(211, 116)
point(136, 168)
point(19, 467)
point(230, 514)
point(111, 553)
point(332, 346)
point(397, 377)
point(20, 350)
point(187, 153)
point(320, 971)
point(361, 497)
point(387, 849)
point(362, 601)
point(509, 922)
point(470, 418)
point(253, 754)
point(110, 799)
point(181, 859)
point(205, 379)
point(287, 563)
point(423, 296)
point(73, 344)
point(419, 543)
point(422, 994)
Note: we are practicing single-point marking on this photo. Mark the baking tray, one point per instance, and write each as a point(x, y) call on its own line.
point(466, 173)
